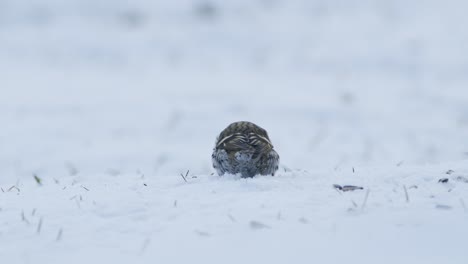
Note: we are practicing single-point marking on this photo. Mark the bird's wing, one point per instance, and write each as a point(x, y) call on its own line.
point(235, 142)
point(260, 143)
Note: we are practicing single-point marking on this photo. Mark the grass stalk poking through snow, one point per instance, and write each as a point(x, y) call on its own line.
point(406, 193)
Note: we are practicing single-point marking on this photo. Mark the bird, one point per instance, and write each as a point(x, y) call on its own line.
point(244, 148)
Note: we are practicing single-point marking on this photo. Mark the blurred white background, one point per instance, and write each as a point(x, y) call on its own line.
point(128, 85)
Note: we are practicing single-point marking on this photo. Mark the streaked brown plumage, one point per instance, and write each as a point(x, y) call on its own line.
point(244, 148)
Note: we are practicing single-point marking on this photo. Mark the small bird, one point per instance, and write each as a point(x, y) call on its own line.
point(244, 148)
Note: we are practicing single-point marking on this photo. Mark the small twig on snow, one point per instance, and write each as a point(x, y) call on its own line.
point(39, 226)
point(23, 218)
point(365, 199)
point(38, 180)
point(59, 235)
point(406, 193)
point(145, 245)
point(13, 187)
point(279, 216)
point(185, 177)
point(258, 225)
point(232, 218)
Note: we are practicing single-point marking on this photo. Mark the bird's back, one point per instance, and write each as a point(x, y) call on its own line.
point(244, 136)
point(245, 148)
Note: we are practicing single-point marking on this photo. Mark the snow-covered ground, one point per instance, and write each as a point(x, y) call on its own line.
point(108, 102)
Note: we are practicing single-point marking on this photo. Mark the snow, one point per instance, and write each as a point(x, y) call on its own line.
point(109, 102)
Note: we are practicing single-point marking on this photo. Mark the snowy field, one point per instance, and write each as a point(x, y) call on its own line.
point(105, 104)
